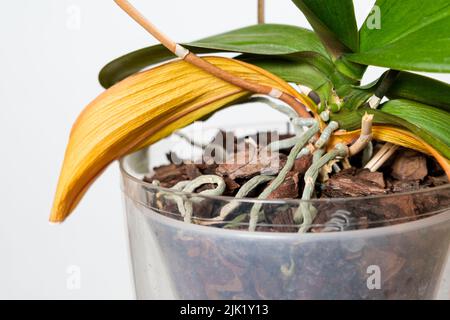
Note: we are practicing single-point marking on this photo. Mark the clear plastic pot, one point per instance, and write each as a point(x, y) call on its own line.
point(400, 253)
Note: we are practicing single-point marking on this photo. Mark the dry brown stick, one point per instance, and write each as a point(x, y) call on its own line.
point(261, 12)
point(190, 57)
point(381, 156)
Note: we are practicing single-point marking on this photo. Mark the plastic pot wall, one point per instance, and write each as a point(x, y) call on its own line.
point(394, 259)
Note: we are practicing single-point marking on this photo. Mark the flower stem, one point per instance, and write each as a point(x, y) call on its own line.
point(261, 12)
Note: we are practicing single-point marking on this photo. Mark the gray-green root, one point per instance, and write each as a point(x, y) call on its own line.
point(306, 212)
point(282, 174)
point(242, 193)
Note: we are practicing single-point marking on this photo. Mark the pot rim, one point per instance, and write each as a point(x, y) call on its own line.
point(400, 224)
point(128, 175)
point(363, 234)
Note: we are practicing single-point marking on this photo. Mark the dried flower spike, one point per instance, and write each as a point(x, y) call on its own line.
point(190, 57)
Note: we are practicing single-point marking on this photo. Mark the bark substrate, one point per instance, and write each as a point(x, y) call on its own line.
point(406, 171)
point(410, 262)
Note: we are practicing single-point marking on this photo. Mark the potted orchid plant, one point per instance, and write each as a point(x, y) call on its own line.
point(352, 201)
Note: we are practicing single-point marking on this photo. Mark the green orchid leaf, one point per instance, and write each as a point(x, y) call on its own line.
point(421, 89)
point(351, 120)
point(350, 69)
point(292, 65)
point(300, 72)
point(354, 97)
point(265, 39)
point(306, 68)
point(431, 119)
point(410, 35)
point(323, 64)
point(325, 93)
point(371, 85)
point(406, 85)
point(126, 65)
point(334, 21)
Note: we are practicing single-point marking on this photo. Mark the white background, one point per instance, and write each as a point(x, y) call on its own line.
point(48, 73)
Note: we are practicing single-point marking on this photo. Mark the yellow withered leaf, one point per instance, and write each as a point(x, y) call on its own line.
point(150, 105)
point(141, 110)
point(396, 136)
